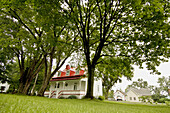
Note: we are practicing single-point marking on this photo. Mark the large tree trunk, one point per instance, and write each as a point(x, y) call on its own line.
point(21, 86)
point(22, 80)
point(106, 93)
point(47, 74)
point(33, 87)
point(90, 82)
point(43, 87)
point(27, 85)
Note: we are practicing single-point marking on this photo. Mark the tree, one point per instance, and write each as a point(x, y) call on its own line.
point(139, 84)
point(23, 37)
point(4, 65)
point(43, 36)
point(135, 29)
point(111, 71)
point(164, 84)
point(13, 76)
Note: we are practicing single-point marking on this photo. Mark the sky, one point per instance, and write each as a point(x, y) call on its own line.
point(164, 68)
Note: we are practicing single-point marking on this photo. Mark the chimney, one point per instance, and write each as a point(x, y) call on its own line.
point(67, 67)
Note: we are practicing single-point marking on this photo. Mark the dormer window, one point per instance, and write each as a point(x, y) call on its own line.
point(67, 72)
point(77, 72)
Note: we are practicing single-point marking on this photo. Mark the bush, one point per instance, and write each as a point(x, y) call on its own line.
point(156, 97)
point(167, 103)
point(101, 98)
point(61, 97)
point(72, 97)
point(162, 100)
point(146, 99)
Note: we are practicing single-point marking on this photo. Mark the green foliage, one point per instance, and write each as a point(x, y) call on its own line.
point(164, 84)
point(157, 97)
point(72, 97)
point(61, 97)
point(135, 30)
point(111, 94)
point(138, 84)
point(146, 99)
point(162, 90)
point(111, 70)
point(167, 103)
point(162, 100)
point(101, 98)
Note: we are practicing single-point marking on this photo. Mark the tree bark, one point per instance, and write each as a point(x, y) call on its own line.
point(47, 74)
point(22, 80)
point(27, 85)
point(32, 90)
point(43, 87)
point(106, 93)
point(90, 82)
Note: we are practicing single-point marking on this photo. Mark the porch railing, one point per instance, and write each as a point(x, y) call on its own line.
point(71, 92)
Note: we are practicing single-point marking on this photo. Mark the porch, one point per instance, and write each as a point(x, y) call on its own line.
point(68, 87)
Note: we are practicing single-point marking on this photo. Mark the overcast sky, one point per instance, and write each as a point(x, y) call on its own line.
point(164, 68)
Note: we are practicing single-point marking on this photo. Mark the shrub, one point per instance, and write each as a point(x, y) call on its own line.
point(162, 100)
point(167, 103)
point(101, 98)
point(61, 97)
point(72, 97)
point(146, 99)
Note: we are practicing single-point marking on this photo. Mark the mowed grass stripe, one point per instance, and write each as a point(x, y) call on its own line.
point(32, 104)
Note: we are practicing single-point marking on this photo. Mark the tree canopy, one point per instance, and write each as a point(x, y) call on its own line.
point(135, 30)
point(112, 70)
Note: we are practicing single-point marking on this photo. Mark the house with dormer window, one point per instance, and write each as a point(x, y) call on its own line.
point(72, 81)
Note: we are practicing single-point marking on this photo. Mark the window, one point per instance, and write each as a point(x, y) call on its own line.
point(2, 88)
point(67, 72)
point(77, 72)
point(58, 86)
point(59, 73)
point(130, 98)
point(66, 84)
point(75, 86)
point(134, 98)
point(98, 88)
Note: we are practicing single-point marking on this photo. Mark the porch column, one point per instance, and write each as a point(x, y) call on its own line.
point(50, 91)
point(80, 85)
point(63, 85)
point(56, 89)
point(86, 87)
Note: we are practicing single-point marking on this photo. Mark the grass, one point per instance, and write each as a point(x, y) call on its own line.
point(32, 104)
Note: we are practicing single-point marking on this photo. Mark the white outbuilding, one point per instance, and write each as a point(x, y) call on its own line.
point(133, 94)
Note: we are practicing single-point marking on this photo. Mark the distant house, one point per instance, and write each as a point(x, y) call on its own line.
point(72, 81)
point(119, 95)
point(133, 94)
point(4, 87)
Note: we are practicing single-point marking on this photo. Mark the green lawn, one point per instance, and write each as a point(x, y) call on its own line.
point(31, 104)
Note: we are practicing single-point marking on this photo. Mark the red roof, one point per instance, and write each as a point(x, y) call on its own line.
point(67, 78)
point(69, 74)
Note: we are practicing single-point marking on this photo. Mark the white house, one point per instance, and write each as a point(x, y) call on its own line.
point(120, 95)
point(72, 81)
point(133, 94)
point(4, 87)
